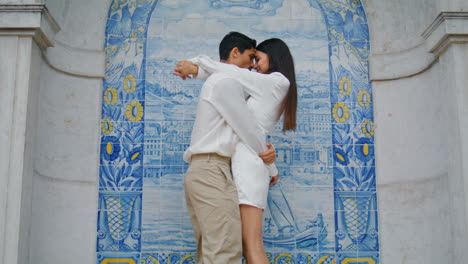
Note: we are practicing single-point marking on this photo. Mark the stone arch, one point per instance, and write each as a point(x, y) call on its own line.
point(350, 155)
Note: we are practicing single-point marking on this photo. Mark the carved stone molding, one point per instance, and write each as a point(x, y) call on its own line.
point(32, 20)
point(74, 61)
point(35, 20)
point(448, 28)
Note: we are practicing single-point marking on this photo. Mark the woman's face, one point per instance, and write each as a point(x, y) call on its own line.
point(262, 63)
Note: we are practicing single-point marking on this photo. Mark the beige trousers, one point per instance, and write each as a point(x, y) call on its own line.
point(212, 202)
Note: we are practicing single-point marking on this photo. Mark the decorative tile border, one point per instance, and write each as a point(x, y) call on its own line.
point(122, 136)
point(353, 131)
point(133, 149)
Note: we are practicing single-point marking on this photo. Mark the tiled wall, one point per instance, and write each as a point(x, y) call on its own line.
point(326, 198)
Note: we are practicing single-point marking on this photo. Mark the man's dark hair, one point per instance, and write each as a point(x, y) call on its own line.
point(233, 40)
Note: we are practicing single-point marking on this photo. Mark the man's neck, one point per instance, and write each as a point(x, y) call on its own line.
point(228, 61)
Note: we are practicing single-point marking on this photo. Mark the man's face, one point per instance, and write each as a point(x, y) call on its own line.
point(244, 59)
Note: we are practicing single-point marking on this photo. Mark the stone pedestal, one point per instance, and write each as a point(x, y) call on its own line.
point(26, 28)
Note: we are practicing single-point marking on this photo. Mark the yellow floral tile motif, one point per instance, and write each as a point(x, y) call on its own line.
point(151, 260)
point(109, 148)
point(364, 98)
point(135, 156)
point(107, 126)
point(367, 128)
point(129, 83)
point(340, 157)
point(365, 149)
point(305, 258)
point(335, 35)
point(172, 258)
point(110, 51)
point(284, 258)
point(340, 112)
point(118, 260)
point(345, 86)
point(358, 260)
point(134, 111)
point(110, 96)
point(189, 257)
point(355, 51)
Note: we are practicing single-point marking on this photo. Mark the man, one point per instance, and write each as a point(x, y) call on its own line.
point(222, 120)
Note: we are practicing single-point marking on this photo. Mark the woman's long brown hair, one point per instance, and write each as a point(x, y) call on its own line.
point(282, 61)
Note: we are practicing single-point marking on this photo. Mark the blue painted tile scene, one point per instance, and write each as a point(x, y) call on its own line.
point(324, 210)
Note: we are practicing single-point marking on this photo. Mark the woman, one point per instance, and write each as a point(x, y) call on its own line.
point(272, 92)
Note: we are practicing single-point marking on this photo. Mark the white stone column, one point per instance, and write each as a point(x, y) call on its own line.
point(455, 61)
point(26, 28)
point(421, 114)
point(447, 38)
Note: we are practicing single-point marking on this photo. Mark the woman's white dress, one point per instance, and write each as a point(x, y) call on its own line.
point(266, 92)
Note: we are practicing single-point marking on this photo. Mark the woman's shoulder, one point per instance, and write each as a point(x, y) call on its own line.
point(283, 82)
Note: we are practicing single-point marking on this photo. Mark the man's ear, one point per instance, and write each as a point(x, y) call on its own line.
point(234, 52)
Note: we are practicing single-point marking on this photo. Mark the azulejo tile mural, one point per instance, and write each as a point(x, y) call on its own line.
point(324, 210)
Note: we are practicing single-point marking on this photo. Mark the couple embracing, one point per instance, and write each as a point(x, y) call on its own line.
point(231, 165)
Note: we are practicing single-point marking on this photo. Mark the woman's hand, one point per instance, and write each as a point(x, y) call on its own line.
point(184, 68)
point(268, 156)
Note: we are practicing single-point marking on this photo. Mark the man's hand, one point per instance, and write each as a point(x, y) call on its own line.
point(268, 156)
point(274, 180)
point(184, 68)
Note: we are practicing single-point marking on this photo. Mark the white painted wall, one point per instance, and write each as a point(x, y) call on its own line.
point(397, 25)
point(68, 132)
point(412, 169)
point(420, 136)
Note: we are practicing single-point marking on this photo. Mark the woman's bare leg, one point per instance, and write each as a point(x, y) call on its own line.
point(252, 241)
